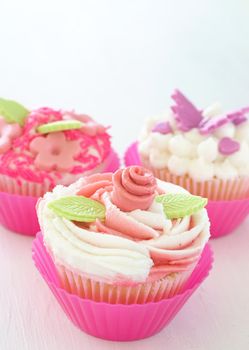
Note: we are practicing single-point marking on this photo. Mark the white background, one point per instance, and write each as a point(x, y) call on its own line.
point(119, 61)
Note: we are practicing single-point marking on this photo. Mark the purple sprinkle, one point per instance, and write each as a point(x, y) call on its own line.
point(186, 114)
point(162, 128)
point(228, 146)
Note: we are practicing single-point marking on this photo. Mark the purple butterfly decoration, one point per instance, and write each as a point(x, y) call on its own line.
point(241, 118)
point(186, 114)
point(207, 126)
point(189, 117)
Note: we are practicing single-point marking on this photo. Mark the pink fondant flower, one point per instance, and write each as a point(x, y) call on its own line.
point(54, 151)
point(7, 133)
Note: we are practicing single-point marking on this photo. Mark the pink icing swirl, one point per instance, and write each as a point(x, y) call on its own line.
point(173, 249)
point(133, 188)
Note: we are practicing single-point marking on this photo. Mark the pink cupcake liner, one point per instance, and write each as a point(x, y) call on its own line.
point(113, 163)
point(17, 205)
point(117, 321)
point(225, 215)
point(131, 156)
point(18, 214)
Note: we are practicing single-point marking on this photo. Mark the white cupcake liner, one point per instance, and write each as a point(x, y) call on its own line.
point(118, 294)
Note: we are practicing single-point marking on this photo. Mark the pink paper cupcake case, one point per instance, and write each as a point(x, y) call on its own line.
point(225, 216)
point(131, 156)
point(113, 163)
point(117, 321)
point(18, 213)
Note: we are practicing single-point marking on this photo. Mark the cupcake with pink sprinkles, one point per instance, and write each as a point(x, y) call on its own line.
point(42, 148)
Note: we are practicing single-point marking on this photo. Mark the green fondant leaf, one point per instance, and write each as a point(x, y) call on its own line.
point(61, 125)
point(78, 208)
point(178, 205)
point(12, 111)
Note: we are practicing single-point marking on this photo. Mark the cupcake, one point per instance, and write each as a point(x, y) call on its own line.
point(42, 148)
point(123, 238)
point(119, 322)
point(206, 152)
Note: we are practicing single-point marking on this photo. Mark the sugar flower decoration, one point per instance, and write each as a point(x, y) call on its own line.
point(54, 151)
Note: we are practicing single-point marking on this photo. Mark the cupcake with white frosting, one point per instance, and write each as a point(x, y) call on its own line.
point(205, 151)
point(124, 237)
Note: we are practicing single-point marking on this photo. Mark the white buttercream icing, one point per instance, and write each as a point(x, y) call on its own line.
point(193, 153)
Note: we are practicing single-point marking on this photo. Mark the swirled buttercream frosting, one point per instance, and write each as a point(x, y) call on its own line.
point(134, 241)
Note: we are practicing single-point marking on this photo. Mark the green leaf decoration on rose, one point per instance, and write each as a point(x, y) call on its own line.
point(13, 112)
point(179, 205)
point(78, 208)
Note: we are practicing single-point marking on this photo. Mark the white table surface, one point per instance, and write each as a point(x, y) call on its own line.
point(216, 317)
point(119, 61)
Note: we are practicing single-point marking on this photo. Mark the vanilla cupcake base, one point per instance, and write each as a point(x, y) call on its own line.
point(87, 288)
point(215, 189)
point(25, 188)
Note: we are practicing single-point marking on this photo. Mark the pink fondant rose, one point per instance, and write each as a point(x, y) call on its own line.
point(54, 152)
point(7, 133)
point(133, 188)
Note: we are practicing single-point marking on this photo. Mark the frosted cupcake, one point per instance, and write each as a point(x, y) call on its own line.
point(205, 151)
point(124, 237)
point(42, 148)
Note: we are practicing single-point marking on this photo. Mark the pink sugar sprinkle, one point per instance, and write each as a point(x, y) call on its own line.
point(18, 162)
point(77, 170)
point(73, 135)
